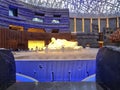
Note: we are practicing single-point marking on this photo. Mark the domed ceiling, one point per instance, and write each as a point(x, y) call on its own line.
point(80, 7)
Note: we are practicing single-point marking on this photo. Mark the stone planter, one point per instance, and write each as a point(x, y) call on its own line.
point(108, 68)
point(7, 69)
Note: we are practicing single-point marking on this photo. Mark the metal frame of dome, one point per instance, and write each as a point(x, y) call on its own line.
point(81, 7)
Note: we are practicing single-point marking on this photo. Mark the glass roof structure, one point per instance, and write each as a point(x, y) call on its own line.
point(79, 7)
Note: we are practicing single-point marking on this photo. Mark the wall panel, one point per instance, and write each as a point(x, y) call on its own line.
point(71, 24)
point(94, 24)
point(87, 25)
point(102, 24)
point(79, 25)
point(113, 23)
point(19, 39)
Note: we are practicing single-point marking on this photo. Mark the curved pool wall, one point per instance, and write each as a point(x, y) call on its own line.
point(56, 70)
point(24, 78)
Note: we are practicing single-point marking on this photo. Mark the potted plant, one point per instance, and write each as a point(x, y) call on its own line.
point(115, 37)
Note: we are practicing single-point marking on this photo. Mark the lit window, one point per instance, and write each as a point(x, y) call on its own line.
point(13, 11)
point(37, 20)
point(55, 21)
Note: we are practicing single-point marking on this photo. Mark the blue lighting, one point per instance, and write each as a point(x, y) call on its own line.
point(24, 78)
